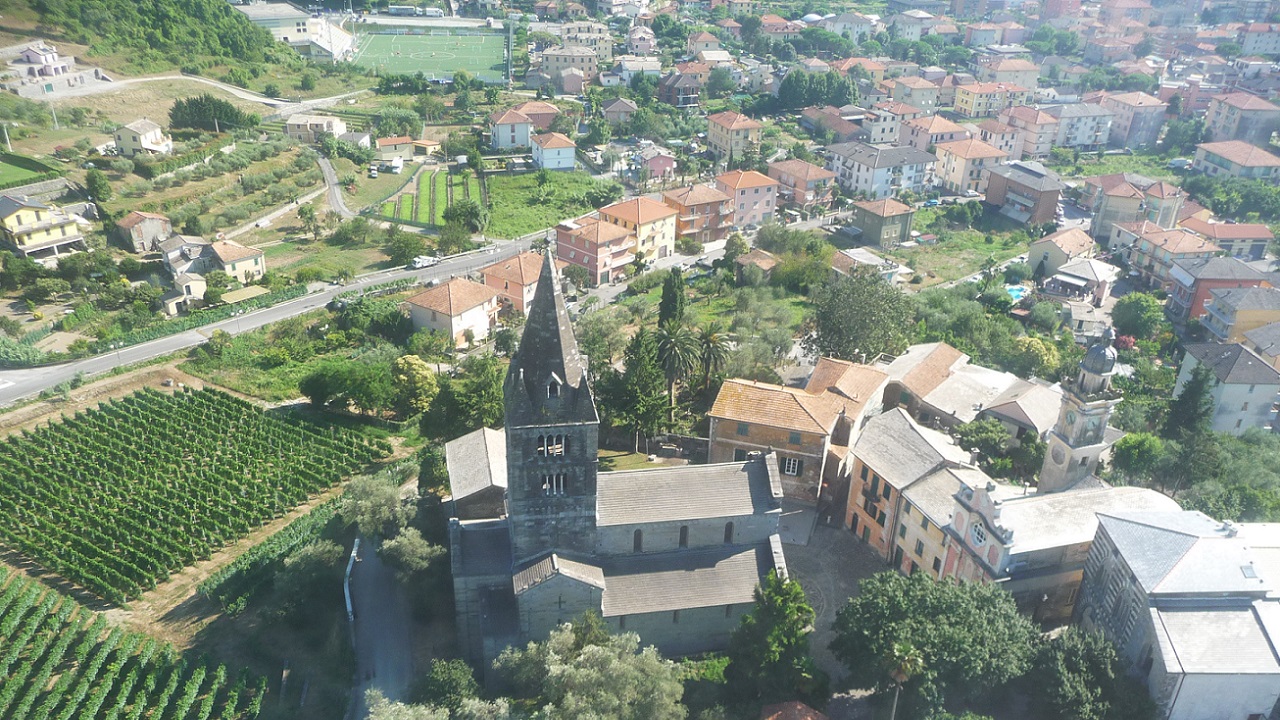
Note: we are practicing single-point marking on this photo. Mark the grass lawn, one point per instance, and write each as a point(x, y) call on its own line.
point(369, 191)
point(441, 183)
point(329, 259)
point(435, 56)
point(406, 207)
point(705, 310)
point(18, 169)
point(473, 188)
point(1153, 166)
point(424, 198)
point(960, 254)
point(524, 207)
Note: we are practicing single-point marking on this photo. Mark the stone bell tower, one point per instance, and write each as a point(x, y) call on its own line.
point(552, 432)
point(1079, 437)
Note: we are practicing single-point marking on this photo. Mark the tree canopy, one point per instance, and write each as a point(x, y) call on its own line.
point(769, 657)
point(859, 317)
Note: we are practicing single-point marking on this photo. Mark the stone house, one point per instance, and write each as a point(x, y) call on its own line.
point(455, 307)
point(143, 231)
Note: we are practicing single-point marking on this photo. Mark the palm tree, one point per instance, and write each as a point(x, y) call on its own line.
point(679, 352)
point(713, 344)
point(905, 662)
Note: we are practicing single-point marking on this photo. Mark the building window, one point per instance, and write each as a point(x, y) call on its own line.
point(552, 445)
point(875, 483)
point(637, 541)
point(554, 484)
point(902, 530)
point(792, 466)
point(728, 611)
point(794, 439)
point(739, 455)
point(744, 429)
point(937, 564)
point(864, 473)
point(884, 490)
point(924, 523)
point(622, 622)
point(880, 518)
point(1244, 407)
point(553, 389)
point(684, 536)
point(919, 547)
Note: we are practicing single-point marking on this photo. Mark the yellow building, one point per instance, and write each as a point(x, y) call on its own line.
point(731, 134)
point(39, 231)
point(653, 223)
point(245, 264)
point(988, 99)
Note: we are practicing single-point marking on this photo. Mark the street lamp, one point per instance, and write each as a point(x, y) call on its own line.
point(116, 347)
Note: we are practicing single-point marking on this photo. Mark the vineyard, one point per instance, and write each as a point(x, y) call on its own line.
point(435, 191)
point(116, 498)
point(101, 672)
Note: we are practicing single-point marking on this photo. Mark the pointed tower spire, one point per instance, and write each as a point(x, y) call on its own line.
point(547, 380)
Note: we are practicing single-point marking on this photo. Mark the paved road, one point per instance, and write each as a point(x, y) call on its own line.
point(383, 631)
point(283, 107)
point(336, 201)
point(18, 384)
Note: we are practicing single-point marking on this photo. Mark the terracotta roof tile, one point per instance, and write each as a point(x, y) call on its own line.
point(523, 269)
point(739, 179)
point(1245, 101)
point(1241, 153)
point(454, 297)
point(885, 208)
point(640, 211)
point(553, 141)
point(1228, 231)
point(1179, 242)
point(730, 120)
point(806, 171)
point(762, 259)
point(971, 149)
point(698, 194)
point(1072, 241)
point(229, 251)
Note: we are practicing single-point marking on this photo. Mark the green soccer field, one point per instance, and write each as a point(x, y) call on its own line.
point(435, 56)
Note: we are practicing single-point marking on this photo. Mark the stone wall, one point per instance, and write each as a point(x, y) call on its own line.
point(687, 632)
point(665, 536)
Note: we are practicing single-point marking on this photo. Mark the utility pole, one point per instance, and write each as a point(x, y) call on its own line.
point(54, 110)
point(7, 144)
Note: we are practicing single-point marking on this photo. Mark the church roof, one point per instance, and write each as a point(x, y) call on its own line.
point(476, 461)
point(548, 352)
point(482, 549)
point(688, 492)
point(718, 576)
point(548, 566)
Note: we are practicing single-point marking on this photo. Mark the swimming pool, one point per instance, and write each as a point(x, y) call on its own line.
point(1016, 291)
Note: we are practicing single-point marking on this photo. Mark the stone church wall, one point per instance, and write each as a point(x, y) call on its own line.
point(555, 601)
point(665, 536)
point(686, 632)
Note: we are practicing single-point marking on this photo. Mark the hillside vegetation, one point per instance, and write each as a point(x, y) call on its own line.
point(159, 32)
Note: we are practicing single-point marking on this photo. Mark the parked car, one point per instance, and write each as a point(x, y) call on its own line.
point(931, 202)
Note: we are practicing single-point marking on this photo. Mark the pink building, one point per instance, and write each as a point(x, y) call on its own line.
point(600, 247)
point(754, 196)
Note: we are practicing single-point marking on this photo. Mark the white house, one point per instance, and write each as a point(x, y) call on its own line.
point(309, 128)
point(553, 151)
point(390, 148)
point(509, 129)
point(142, 137)
point(44, 61)
point(1245, 386)
point(454, 308)
point(880, 172)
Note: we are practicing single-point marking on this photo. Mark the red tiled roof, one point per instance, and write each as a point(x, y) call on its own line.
point(1241, 153)
point(454, 297)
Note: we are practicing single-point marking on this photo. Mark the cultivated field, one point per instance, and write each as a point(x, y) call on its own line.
point(98, 671)
point(435, 56)
point(115, 499)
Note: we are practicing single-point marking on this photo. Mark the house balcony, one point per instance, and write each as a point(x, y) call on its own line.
point(1217, 323)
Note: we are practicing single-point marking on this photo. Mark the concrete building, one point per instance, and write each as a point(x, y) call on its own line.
point(40, 231)
point(810, 428)
point(1011, 71)
point(1188, 602)
point(702, 212)
point(1130, 198)
point(923, 133)
point(700, 41)
point(560, 58)
point(886, 223)
point(914, 91)
point(1193, 280)
point(553, 151)
point(588, 34)
point(456, 309)
point(879, 172)
point(619, 110)
point(680, 91)
point(1039, 129)
point(1241, 116)
point(754, 196)
point(673, 554)
point(963, 165)
point(1245, 387)
point(1082, 125)
point(1236, 159)
point(1048, 254)
point(1232, 312)
point(803, 185)
point(989, 99)
point(539, 112)
point(1025, 191)
point(310, 128)
point(1136, 119)
point(1005, 138)
point(142, 137)
point(509, 129)
point(310, 35)
point(391, 148)
point(603, 249)
point(1153, 254)
point(1248, 241)
point(653, 224)
point(515, 279)
point(731, 134)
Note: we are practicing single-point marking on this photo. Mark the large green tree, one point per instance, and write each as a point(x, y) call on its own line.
point(642, 385)
point(971, 635)
point(678, 352)
point(1192, 407)
point(769, 658)
point(671, 305)
point(1079, 676)
point(588, 676)
point(1139, 315)
point(858, 317)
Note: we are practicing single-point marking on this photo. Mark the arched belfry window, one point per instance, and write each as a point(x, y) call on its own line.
point(552, 445)
point(553, 389)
